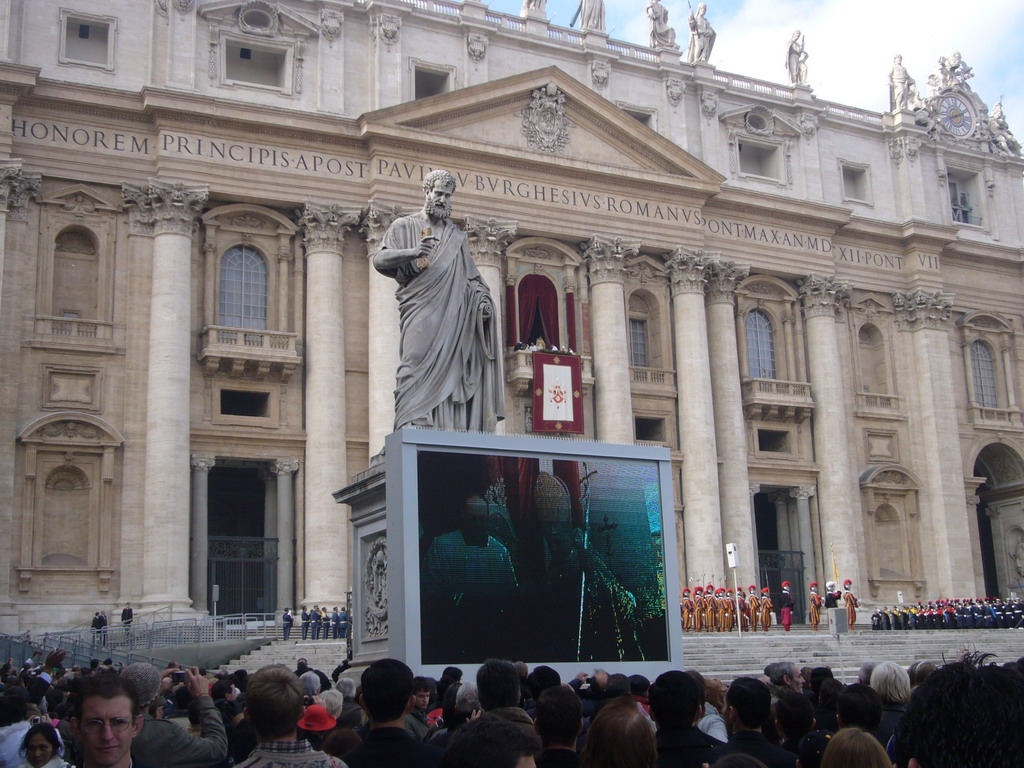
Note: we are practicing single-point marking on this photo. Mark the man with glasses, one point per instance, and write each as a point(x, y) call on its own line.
point(107, 719)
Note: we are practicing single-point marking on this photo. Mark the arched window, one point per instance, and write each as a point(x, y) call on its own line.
point(243, 289)
point(538, 310)
point(760, 345)
point(639, 313)
point(984, 368)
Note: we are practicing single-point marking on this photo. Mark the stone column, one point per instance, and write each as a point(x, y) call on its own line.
point(803, 526)
point(752, 490)
point(613, 404)
point(839, 504)
point(383, 328)
point(965, 348)
point(1009, 379)
point(15, 190)
point(386, 59)
point(730, 426)
point(284, 469)
point(487, 241)
point(781, 502)
point(702, 516)
point(199, 545)
point(925, 315)
point(326, 550)
point(168, 210)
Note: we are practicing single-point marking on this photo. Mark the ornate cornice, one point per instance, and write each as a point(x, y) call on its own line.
point(606, 258)
point(323, 226)
point(488, 238)
point(160, 207)
point(823, 296)
point(16, 189)
point(723, 277)
point(688, 270)
point(285, 466)
point(203, 462)
point(922, 309)
point(375, 222)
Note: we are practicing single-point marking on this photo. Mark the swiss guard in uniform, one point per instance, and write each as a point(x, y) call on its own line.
point(766, 609)
point(710, 608)
point(720, 609)
point(851, 602)
point(832, 595)
point(686, 604)
point(744, 611)
point(698, 609)
point(754, 608)
point(730, 611)
point(815, 606)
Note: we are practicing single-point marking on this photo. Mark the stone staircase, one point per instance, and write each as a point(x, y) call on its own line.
point(324, 655)
point(727, 656)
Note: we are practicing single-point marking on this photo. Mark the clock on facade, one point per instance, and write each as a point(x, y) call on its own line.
point(956, 115)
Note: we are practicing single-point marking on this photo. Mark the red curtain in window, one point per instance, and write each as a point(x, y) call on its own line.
point(570, 319)
point(537, 292)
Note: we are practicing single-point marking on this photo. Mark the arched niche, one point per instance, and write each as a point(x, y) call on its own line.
point(1000, 515)
point(889, 499)
point(68, 505)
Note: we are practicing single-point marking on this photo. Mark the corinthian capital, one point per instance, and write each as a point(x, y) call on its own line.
point(488, 238)
point(203, 462)
point(285, 466)
point(375, 222)
point(823, 296)
point(922, 309)
point(802, 492)
point(723, 277)
point(160, 207)
point(16, 188)
point(689, 270)
point(606, 258)
point(323, 226)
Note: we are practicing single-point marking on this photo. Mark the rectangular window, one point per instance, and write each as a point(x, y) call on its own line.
point(255, 66)
point(772, 441)
point(757, 160)
point(650, 430)
point(962, 198)
point(87, 40)
point(430, 83)
point(638, 343)
point(241, 403)
point(855, 183)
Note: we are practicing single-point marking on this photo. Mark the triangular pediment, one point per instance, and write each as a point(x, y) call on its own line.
point(258, 19)
point(539, 116)
point(80, 200)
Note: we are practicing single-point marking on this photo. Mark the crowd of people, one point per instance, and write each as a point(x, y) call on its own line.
point(966, 713)
point(982, 613)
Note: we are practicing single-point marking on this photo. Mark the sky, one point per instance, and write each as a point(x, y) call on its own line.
point(850, 43)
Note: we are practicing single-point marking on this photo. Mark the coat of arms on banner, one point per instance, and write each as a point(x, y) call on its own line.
point(557, 393)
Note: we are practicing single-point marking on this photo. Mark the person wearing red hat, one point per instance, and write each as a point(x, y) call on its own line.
point(851, 602)
point(766, 608)
point(686, 607)
point(815, 606)
point(744, 617)
point(710, 608)
point(754, 608)
point(786, 607)
point(730, 610)
point(719, 609)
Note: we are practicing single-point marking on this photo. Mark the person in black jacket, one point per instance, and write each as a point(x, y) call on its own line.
point(747, 707)
point(677, 704)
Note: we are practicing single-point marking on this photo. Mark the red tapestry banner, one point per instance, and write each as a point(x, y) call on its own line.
point(557, 393)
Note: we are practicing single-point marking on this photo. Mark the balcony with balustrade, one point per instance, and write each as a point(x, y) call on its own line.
point(519, 371)
point(75, 334)
point(248, 353)
point(652, 381)
point(777, 400)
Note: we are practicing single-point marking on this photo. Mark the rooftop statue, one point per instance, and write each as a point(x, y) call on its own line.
point(592, 16)
point(954, 72)
point(1002, 136)
point(796, 59)
point(902, 87)
point(449, 376)
point(702, 36)
point(662, 35)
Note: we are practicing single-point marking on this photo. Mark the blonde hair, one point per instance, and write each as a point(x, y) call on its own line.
point(892, 682)
point(855, 748)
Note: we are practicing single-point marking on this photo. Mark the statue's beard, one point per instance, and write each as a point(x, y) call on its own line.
point(437, 209)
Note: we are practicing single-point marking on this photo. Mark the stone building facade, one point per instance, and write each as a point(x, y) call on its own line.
point(817, 308)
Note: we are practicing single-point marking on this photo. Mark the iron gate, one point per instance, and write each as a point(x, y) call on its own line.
point(776, 567)
point(245, 569)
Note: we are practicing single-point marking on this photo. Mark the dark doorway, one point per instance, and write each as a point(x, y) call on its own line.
point(987, 546)
point(774, 565)
point(242, 559)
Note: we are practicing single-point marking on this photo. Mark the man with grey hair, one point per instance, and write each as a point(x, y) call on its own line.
point(784, 676)
point(449, 376)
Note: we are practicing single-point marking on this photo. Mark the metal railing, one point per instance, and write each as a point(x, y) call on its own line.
point(158, 634)
point(22, 647)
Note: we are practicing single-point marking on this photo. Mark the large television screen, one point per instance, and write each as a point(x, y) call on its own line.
point(534, 549)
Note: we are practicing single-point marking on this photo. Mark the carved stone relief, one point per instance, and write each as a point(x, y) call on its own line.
point(476, 45)
point(375, 585)
point(545, 125)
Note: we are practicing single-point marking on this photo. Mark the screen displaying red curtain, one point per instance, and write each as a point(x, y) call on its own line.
point(537, 293)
